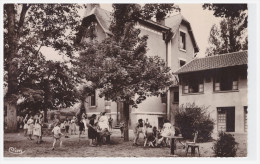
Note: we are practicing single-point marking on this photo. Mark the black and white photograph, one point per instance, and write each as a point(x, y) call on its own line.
point(128, 80)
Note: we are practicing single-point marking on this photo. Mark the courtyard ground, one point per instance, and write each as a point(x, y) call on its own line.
point(72, 147)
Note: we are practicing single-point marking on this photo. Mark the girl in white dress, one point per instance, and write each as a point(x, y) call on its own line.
point(30, 127)
point(167, 132)
point(37, 131)
point(103, 122)
point(25, 126)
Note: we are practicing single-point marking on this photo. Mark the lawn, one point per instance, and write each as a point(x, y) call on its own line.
point(73, 147)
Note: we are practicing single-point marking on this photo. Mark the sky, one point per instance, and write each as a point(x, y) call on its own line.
point(201, 22)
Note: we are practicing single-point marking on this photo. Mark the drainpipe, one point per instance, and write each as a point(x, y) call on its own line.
point(168, 60)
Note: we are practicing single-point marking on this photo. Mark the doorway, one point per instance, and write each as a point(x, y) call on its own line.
point(226, 119)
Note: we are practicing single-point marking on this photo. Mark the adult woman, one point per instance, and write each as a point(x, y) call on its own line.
point(92, 133)
point(103, 122)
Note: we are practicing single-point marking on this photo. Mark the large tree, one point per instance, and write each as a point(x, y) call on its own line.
point(45, 85)
point(27, 28)
point(231, 33)
point(119, 66)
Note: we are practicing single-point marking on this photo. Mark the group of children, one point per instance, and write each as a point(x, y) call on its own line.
point(154, 137)
point(33, 127)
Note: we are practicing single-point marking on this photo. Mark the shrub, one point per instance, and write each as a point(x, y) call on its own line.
point(225, 146)
point(191, 118)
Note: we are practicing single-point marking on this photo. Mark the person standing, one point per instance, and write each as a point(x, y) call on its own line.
point(25, 125)
point(81, 127)
point(56, 135)
point(30, 127)
point(40, 121)
point(67, 127)
point(110, 121)
point(121, 127)
point(138, 129)
point(92, 133)
point(37, 131)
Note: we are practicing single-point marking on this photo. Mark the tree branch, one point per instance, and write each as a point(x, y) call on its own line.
point(22, 18)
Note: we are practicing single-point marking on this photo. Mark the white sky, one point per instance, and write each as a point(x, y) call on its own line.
point(201, 22)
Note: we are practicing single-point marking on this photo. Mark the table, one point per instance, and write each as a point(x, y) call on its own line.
point(172, 142)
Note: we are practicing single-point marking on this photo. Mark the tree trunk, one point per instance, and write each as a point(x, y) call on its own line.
point(12, 67)
point(126, 121)
point(11, 117)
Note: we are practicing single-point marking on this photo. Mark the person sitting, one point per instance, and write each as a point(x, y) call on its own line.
point(167, 132)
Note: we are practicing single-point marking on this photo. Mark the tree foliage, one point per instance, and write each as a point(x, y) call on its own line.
point(27, 28)
point(231, 34)
point(225, 146)
point(45, 85)
point(226, 10)
point(159, 11)
point(191, 118)
point(119, 65)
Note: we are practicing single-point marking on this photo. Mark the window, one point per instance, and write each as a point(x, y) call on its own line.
point(225, 81)
point(182, 63)
point(175, 97)
point(93, 100)
point(193, 86)
point(182, 41)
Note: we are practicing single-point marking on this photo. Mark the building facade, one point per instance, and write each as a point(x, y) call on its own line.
point(171, 39)
point(220, 84)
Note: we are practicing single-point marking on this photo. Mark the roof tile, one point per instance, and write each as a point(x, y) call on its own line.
point(217, 61)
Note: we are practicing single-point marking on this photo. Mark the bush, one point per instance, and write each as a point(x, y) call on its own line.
point(192, 118)
point(225, 146)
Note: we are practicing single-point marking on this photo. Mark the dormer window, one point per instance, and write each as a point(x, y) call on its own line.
point(182, 41)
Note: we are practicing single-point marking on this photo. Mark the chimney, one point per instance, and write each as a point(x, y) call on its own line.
point(89, 8)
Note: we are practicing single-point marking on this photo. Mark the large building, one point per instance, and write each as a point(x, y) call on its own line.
point(219, 83)
point(171, 39)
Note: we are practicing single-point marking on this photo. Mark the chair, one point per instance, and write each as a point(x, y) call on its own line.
point(193, 145)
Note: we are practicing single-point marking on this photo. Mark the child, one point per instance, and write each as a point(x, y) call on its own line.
point(121, 126)
point(30, 127)
point(92, 133)
point(67, 126)
point(25, 126)
point(37, 131)
point(56, 135)
point(73, 126)
point(149, 136)
point(81, 127)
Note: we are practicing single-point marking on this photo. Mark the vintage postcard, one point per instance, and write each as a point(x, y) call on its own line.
point(126, 80)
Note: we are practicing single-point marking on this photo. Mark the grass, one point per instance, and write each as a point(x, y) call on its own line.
point(72, 147)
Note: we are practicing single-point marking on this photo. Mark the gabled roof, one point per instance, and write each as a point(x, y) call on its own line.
point(102, 16)
point(213, 62)
point(172, 23)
